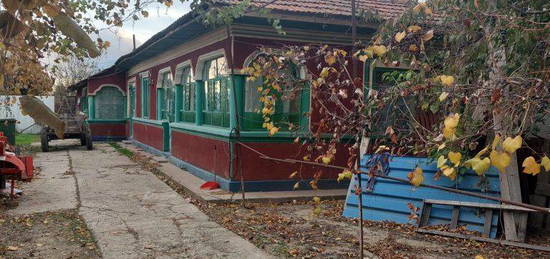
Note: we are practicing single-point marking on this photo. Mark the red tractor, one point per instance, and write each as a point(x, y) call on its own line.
point(13, 167)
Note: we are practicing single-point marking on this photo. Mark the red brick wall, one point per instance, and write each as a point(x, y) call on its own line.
point(108, 129)
point(257, 169)
point(206, 153)
point(147, 134)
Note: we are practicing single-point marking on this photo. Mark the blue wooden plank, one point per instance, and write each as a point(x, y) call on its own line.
point(389, 199)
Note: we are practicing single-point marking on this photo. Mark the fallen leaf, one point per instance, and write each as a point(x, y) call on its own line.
point(428, 35)
point(545, 162)
point(400, 36)
point(12, 248)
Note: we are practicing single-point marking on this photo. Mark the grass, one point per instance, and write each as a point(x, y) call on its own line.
point(122, 150)
point(26, 139)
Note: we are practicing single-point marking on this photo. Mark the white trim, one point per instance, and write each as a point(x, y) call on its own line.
point(107, 85)
point(159, 77)
point(248, 60)
point(145, 74)
point(180, 50)
point(179, 67)
point(208, 56)
point(131, 79)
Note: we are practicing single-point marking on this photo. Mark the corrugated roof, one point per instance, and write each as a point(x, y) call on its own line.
point(385, 8)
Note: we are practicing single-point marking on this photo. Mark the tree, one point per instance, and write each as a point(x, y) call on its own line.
point(480, 66)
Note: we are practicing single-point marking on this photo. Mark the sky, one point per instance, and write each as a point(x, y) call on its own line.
point(159, 18)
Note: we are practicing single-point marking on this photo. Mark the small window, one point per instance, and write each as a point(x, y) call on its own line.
point(166, 97)
point(216, 89)
point(145, 97)
point(110, 104)
point(187, 97)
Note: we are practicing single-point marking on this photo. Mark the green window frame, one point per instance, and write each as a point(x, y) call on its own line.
point(287, 110)
point(145, 97)
point(166, 97)
point(110, 104)
point(216, 93)
point(186, 94)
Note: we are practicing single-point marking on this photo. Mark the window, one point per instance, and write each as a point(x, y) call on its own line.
point(216, 92)
point(186, 95)
point(165, 97)
point(84, 101)
point(110, 104)
point(145, 95)
point(290, 103)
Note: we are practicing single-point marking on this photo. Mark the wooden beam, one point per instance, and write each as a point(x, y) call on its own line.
point(478, 205)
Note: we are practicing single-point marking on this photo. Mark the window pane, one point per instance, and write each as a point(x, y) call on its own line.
point(252, 96)
point(221, 66)
point(109, 104)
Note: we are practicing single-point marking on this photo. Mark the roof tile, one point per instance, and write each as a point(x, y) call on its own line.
point(387, 9)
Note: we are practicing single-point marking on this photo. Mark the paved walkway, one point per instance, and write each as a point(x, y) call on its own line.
point(131, 212)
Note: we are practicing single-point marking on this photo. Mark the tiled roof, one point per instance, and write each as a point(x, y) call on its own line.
point(385, 8)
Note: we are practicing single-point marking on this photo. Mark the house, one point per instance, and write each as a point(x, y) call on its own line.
point(182, 93)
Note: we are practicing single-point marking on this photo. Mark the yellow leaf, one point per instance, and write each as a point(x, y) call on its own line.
point(313, 185)
point(419, 7)
point(326, 159)
point(428, 35)
point(346, 174)
point(400, 36)
point(442, 146)
point(479, 257)
point(510, 145)
point(293, 174)
point(546, 163)
point(443, 96)
point(296, 185)
point(451, 121)
point(450, 172)
point(500, 160)
point(12, 248)
point(413, 48)
point(273, 131)
point(530, 166)
point(414, 28)
point(480, 166)
point(330, 59)
point(416, 177)
point(363, 58)
point(317, 211)
point(455, 157)
point(447, 80)
point(441, 161)
point(316, 199)
point(449, 133)
point(428, 11)
point(325, 72)
point(379, 50)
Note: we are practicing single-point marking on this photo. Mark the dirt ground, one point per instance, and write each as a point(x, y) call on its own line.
point(60, 234)
point(291, 230)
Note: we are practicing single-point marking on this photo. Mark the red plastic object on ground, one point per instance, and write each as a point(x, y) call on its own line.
point(210, 186)
point(12, 167)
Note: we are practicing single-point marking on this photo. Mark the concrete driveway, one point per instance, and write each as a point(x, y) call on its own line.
point(131, 213)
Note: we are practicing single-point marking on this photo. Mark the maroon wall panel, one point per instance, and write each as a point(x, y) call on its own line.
point(108, 129)
point(258, 169)
point(118, 80)
point(148, 134)
point(206, 153)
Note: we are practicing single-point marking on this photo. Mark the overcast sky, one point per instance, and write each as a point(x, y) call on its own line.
point(121, 37)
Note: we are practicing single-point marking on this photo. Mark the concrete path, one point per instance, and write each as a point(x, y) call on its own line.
point(131, 212)
point(54, 186)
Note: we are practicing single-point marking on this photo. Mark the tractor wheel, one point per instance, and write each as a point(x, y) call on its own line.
point(44, 140)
